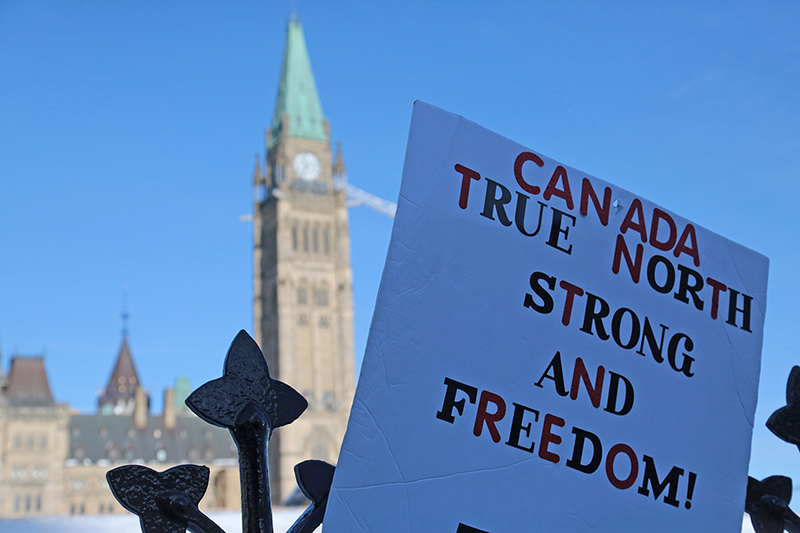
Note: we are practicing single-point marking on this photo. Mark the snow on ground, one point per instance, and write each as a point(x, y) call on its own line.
point(231, 522)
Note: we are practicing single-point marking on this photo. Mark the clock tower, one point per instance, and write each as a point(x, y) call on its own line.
point(303, 303)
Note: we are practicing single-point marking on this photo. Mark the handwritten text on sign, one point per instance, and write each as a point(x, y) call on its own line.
point(549, 352)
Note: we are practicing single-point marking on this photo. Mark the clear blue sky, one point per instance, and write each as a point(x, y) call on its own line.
point(128, 132)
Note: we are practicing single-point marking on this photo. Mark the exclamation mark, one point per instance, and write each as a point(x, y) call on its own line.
point(690, 490)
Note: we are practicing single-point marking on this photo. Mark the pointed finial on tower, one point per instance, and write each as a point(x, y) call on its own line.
point(258, 177)
point(124, 315)
point(338, 165)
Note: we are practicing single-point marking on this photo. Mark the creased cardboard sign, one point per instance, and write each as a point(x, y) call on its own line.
point(549, 352)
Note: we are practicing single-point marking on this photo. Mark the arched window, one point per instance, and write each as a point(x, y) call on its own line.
point(321, 296)
point(302, 295)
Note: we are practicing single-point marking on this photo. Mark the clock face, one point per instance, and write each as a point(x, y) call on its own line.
point(306, 166)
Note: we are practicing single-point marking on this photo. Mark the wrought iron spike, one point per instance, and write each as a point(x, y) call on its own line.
point(785, 422)
point(251, 404)
point(166, 502)
point(314, 479)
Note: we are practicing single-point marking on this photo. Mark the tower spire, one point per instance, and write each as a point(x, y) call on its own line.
point(298, 112)
point(124, 315)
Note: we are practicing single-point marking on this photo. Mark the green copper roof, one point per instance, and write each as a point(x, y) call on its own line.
point(297, 93)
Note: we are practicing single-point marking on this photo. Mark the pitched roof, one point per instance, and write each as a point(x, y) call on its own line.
point(27, 383)
point(297, 92)
point(124, 380)
point(116, 438)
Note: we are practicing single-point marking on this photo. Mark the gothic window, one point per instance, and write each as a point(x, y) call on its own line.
point(302, 320)
point(329, 401)
point(322, 297)
point(319, 447)
point(315, 240)
point(305, 238)
point(43, 442)
point(294, 238)
point(38, 502)
point(326, 241)
point(302, 296)
point(17, 500)
point(324, 322)
point(17, 441)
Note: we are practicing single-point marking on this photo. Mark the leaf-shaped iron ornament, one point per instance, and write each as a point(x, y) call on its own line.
point(314, 479)
point(246, 379)
point(785, 422)
point(251, 404)
point(767, 503)
point(166, 502)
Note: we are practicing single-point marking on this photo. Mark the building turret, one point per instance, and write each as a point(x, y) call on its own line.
point(119, 397)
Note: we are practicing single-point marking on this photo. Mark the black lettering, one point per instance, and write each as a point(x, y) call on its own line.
point(557, 229)
point(613, 392)
point(595, 316)
point(577, 452)
point(519, 215)
point(450, 402)
point(651, 274)
point(685, 287)
point(547, 299)
point(616, 328)
point(745, 309)
point(672, 352)
point(493, 203)
point(557, 377)
point(517, 427)
point(651, 478)
point(655, 348)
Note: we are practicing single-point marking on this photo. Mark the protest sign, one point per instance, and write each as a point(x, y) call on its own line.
point(549, 352)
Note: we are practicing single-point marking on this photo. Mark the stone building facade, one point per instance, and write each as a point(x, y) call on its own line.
point(54, 460)
point(303, 303)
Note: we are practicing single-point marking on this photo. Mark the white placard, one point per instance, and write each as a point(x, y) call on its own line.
point(549, 352)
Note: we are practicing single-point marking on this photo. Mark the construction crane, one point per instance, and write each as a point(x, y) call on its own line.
point(356, 197)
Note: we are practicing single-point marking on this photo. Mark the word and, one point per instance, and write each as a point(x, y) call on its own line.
point(555, 373)
point(622, 466)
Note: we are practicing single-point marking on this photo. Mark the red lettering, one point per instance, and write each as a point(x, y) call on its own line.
point(587, 192)
point(717, 287)
point(559, 175)
point(580, 374)
point(521, 159)
point(628, 482)
point(658, 216)
point(634, 266)
point(691, 250)
point(549, 437)
point(572, 290)
point(638, 226)
point(490, 419)
point(467, 175)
